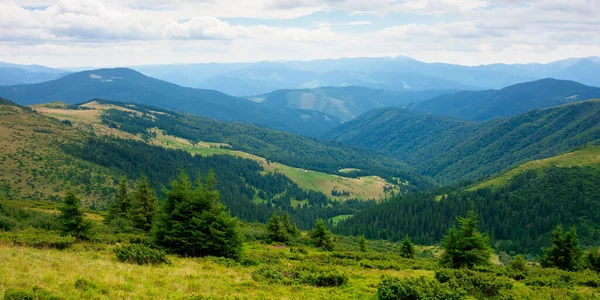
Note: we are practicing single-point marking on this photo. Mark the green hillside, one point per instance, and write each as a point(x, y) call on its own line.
point(345, 103)
point(126, 85)
point(588, 156)
point(450, 150)
point(510, 101)
point(518, 216)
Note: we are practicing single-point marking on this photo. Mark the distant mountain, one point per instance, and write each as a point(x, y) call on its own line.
point(392, 73)
point(265, 78)
point(449, 149)
point(127, 85)
point(509, 101)
point(343, 102)
point(12, 74)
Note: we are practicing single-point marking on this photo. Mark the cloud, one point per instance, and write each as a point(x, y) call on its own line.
point(70, 32)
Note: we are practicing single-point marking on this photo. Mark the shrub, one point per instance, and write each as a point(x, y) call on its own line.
point(391, 288)
point(305, 274)
point(38, 239)
point(141, 255)
point(300, 250)
point(474, 283)
point(36, 293)
point(519, 264)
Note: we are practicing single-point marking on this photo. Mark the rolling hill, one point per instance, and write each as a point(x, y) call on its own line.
point(509, 101)
point(53, 147)
point(127, 85)
point(12, 74)
point(450, 150)
point(345, 103)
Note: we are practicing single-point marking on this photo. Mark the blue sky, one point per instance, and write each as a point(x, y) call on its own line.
point(69, 33)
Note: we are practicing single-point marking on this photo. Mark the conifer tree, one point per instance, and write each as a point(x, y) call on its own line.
point(564, 253)
point(519, 263)
point(362, 244)
point(120, 208)
point(72, 219)
point(321, 236)
point(192, 222)
point(407, 249)
point(144, 206)
point(466, 246)
point(276, 229)
point(290, 227)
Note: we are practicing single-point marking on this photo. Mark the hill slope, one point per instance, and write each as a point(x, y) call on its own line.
point(343, 102)
point(450, 149)
point(509, 101)
point(130, 86)
point(12, 74)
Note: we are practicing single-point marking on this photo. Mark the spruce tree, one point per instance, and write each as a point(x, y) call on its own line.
point(276, 229)
point(290, 227)
point(321, 236)
point(120, 208)
point(144, 206)
point(192, 222)
point(362, 244)
point(466, 247)
point(72, 218)
point(564, 253)
point(407, 249)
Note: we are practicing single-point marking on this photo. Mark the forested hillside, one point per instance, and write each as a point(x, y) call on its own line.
point(450, 150)
point(126, 85)
point(289, 149)
point(518, 216)
point(510, 101)
point(345, 103)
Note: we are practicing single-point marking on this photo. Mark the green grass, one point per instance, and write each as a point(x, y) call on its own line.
point(588, 156)
point(339, 218)
point(349, 170)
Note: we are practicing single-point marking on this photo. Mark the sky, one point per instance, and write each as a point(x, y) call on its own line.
point(104, 33)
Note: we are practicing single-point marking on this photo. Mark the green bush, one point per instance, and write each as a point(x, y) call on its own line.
point(305, 274)
point(391, 288)
point(300, 250)
point(36, 293)
point(140, 254)
point(38, 239)
point(473, 282)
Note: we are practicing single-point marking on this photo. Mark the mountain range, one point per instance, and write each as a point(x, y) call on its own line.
point(127, 85)
point(392, 73)
point(11, 74)
point(513, 100)
point(449, 149)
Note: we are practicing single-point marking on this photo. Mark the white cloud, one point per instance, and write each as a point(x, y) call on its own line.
point(116, 32)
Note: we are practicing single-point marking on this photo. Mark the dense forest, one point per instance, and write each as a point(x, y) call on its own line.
point(518, 217)
point(250, 195)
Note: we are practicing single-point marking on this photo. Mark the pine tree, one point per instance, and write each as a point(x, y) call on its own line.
point(120, 208)
point(407, 249)
point(290, 227)
point(144, 206)
point(362, 244)
point(276, 229)
point(192, 222)
point(466, 246)
point(321, 236)
point(564, 252)
point(72, 219)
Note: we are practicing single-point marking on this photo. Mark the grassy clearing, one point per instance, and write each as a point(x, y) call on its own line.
point(339, 218)
point(368, 187)
point(588, 156)
point(349, 170)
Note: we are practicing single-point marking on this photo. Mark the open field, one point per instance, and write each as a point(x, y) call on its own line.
point(588, 156)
